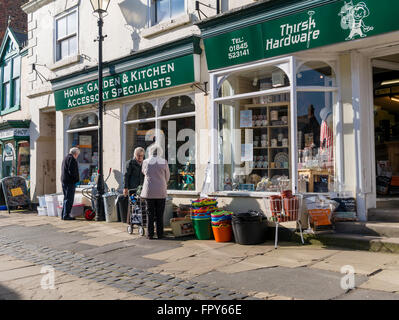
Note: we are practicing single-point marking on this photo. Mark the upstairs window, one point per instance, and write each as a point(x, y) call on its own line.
point(10, 71)
point(66, 35)
point(165, 10)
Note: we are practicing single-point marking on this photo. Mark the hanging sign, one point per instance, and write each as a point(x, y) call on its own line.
point(153, 77)
point(337, 22)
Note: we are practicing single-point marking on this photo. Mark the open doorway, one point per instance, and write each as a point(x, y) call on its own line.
point(386, 125)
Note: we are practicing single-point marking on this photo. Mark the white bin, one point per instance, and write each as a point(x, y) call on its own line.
point(42, 201)
point(42, 211)
point(51, 203)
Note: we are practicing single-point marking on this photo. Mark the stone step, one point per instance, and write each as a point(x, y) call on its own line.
point(390, 203)
point(355, 241)
point(389, 215)
point(371, 228)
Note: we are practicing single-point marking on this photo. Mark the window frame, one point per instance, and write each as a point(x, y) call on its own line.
point(158, 104)
point(11, 85)
point(152, 5)
point(57, 42)
point(294, 63)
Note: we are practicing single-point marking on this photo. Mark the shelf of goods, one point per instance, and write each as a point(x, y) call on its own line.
point(271, 133)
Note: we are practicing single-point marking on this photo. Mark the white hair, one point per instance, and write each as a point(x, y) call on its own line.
point(138, 150)
point(74, 151)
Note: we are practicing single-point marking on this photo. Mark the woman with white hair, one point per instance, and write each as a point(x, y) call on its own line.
point(156, 177)
point(133, 178)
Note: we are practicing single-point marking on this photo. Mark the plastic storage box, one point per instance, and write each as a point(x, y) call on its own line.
point(51, 203)
point(42, 211)
point(42, 201)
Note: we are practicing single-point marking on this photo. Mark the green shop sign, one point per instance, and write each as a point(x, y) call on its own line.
point(329, 24)
point(153, 77)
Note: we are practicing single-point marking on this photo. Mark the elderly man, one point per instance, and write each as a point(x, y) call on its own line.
point(132, 179)
point(69, 177)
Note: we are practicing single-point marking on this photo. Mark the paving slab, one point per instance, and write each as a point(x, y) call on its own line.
point(363, 262)
point(18, 273)
point(176, 254)
point(386, 280)
point(192, 266)
point(282, 257)
point(362, 294)
point(299, 283)
point(102, 240)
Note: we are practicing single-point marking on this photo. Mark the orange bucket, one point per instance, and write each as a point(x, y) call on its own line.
point(223, 234)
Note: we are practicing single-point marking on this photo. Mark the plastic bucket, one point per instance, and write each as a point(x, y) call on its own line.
point(250, 232)
point(202, 228)
point(223, 234)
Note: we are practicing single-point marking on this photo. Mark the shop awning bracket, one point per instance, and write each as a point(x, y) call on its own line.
point(40, 75)
point(198, 86)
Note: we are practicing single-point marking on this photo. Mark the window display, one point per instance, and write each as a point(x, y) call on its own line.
point(315, 125)
point(140, 127)
point(23, 162)
point(254, 133)
point(174, 128)
point(87, 141)
point(179, 140)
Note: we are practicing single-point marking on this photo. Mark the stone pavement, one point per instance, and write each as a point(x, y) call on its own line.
point(99, 260)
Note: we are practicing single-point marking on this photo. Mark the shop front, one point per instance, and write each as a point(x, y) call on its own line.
point(15, 150)
point(291, 105)
point(149, 97)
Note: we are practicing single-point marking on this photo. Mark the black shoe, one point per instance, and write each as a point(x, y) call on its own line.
point(68, 218)
point(150, 237)
point(160, 237)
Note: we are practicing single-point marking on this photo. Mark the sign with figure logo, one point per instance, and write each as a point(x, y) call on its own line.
point(332, 23)
point(352, 18)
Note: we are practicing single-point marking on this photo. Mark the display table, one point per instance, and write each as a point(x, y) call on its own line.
point(313, 175)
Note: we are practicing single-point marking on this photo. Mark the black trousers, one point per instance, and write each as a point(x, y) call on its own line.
point(69, 195)
point(156, 208)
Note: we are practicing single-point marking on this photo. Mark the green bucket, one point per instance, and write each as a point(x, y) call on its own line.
point(203, 229)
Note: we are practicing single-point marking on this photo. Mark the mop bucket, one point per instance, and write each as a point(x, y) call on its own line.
point(223, 233)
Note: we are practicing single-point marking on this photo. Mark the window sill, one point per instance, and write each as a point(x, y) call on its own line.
point(10, 110)
point(249, 194)
point(167, 26)
point(183, 193)
point(65, 62)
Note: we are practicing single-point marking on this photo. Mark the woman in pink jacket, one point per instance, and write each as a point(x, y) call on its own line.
point(156, 177)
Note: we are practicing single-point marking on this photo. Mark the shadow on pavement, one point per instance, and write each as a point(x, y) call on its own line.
point(8, 294)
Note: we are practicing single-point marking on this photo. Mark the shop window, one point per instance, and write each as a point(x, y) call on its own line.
point(316, 133)
point(178, 136)
point(173, 129)
point(83, 133)
point(242, 82)
point(140, 128)
point(165, 10)
point(66, 35)
point(8, 160)
point(178, 105)
point(254, 133)
point(23, 161)
point(316, 73)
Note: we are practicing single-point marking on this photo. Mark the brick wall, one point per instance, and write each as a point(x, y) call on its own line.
point(18, 17)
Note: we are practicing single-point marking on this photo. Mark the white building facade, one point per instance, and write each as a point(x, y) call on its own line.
point(266, 93)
